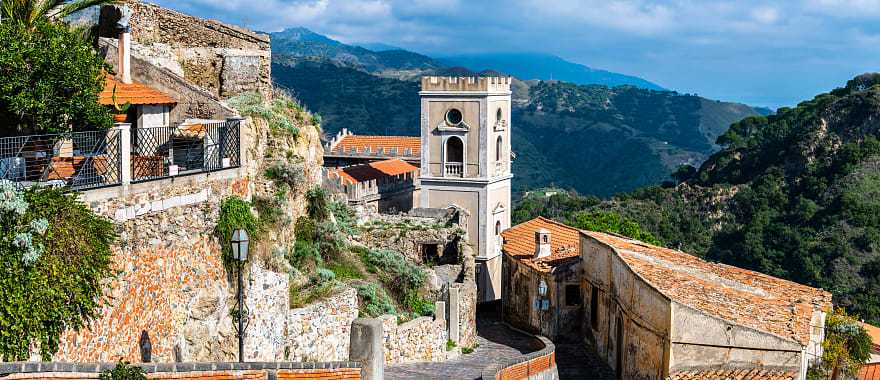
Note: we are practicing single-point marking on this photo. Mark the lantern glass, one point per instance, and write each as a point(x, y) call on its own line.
point(542, 288)
point(239, 243)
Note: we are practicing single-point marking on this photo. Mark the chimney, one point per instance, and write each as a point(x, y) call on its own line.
point(542, 243)
point(124, 47)
point(124, 74)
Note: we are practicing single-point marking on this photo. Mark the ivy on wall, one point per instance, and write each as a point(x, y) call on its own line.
point(54, 254)
point(235, 213)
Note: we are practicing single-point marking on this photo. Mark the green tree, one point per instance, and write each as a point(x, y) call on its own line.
point(31, 13)
point(49, 80)
point(54, 255)
point(604, 221)
point(846, 347)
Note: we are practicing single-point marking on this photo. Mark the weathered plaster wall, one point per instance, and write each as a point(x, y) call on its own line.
point(519, 292)
point(625, 300)
point(703, 340)
point(224, 59)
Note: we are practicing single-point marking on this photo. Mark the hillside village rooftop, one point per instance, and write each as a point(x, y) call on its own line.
point(743, 297)
point(519, 244)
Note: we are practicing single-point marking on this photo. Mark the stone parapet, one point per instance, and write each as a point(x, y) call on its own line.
point(420, 340)
point(538, 365)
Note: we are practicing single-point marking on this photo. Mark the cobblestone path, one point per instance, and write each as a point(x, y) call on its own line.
point(497, 342)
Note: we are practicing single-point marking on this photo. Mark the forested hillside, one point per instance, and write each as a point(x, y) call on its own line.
point(795, 195)
point(595, 139)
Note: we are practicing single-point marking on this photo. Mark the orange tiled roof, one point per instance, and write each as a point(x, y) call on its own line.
point(387, 143)
point(565, 247)
point(734, 374)
point(747, 298)
point(869, 372)
point(374, 170)
point(136, 93)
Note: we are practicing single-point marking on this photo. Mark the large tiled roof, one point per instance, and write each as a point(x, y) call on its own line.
point(734, 374)
point(747, 298)
point(403, 145)
point(565, 247)
point(869, 372)
point(135, 93)
point(374, 170)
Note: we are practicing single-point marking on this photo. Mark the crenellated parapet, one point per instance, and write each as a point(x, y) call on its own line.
point(456, 84)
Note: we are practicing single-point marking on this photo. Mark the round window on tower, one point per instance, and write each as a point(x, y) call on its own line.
point(453, 117)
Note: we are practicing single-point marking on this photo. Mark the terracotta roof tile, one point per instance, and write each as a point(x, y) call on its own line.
point(374, 170)
point(734, 374)
point(519, 244)
point(136, 93)
point(869, 372)
point(747, 298)
point(374, 143)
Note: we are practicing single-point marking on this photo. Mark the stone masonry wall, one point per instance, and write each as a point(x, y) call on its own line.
point(172, 284)
point(420, 340)
point(226, 60)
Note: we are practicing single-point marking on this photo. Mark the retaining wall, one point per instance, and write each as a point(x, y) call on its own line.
point(538, 365)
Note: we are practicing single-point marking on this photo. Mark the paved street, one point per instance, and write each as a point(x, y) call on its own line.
point(498, 342)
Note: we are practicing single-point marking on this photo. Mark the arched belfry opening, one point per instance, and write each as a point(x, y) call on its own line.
point(454, 157)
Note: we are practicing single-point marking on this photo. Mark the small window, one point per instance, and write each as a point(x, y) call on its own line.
point(499, 148)
point(498, 228)
point(545, 239)
point(572, 295)
point(499, 115)
point(594, 308)
point(453, 116)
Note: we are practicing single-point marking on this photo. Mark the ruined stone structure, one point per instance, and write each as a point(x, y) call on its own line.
point(655, 313)
point(535, 251)
point(225, 60)
point(465, 142)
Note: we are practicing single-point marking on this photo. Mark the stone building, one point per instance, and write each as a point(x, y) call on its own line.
point(537, 251)
point(388, 186)
point(656, 313)
point(465, 143)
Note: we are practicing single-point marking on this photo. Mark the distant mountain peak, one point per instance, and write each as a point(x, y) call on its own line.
point(303, 34)
point(543, 66)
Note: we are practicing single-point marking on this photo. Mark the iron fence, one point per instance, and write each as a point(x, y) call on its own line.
point(163, 152)
point(79, 160)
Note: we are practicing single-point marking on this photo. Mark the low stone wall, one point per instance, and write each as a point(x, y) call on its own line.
point(419, 340)
point(538, 365)
point(322, 330)
point(198, 371)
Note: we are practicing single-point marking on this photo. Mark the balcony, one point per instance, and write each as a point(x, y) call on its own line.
point(453, 169)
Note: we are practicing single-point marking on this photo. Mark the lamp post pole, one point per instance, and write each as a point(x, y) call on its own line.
point(239, 243)
point(240, 317)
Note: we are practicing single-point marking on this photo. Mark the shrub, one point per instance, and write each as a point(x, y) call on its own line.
point(305, 229)
point(291, 173)
point(374, 301)
point(235, 213)
point(324, 275)
point(418, 305)
point(345, 269)
point(395, 270)
point(450, 345)
point(345, 217)
point(316, 207)
point(54, 254)
point(281, 113)
point(123, 371)
point(304, 255)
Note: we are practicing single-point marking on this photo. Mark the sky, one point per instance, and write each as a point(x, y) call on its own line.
point(763, 53)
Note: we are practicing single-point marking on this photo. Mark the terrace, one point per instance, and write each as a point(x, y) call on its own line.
point(120, 155)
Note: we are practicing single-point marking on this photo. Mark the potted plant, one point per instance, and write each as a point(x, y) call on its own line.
point(120, 112)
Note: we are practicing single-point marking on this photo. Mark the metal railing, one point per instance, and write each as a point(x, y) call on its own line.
point(79, 160)
point(86, 160)
point(453, 169)
point(162, 152)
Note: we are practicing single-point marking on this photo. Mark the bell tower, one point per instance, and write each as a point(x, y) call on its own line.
point(465, 131)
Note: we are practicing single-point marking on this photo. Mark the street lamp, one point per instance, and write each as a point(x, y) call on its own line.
point(239, 253)
point(542, 303)
point(542, 289)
